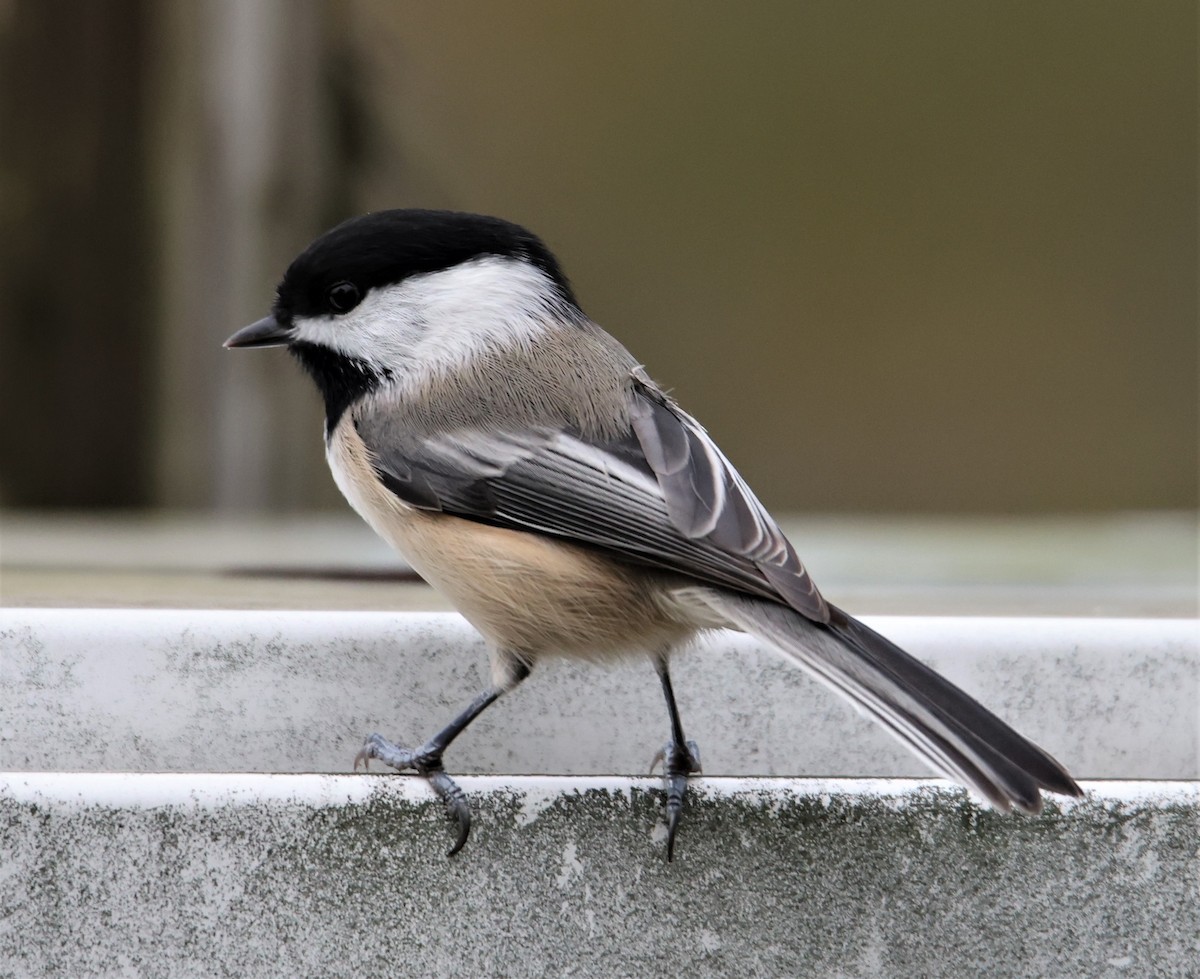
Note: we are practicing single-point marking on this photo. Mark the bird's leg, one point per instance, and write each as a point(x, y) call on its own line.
point(680, 759)
point(426, 760)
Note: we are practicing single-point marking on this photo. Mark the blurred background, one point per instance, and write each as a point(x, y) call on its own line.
point(927, 258)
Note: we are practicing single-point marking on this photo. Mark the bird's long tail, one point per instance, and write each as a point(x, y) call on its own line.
point(944, 726)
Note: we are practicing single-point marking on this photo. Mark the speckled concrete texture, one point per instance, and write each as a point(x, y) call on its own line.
point(147, 690)
point(246, 876)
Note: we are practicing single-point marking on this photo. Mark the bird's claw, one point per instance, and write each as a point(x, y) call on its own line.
point(689, 757)
point(658, 757)
point(455, 799)
point(678, 763)
point(427, 763)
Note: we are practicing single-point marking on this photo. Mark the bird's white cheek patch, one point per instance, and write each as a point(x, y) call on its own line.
point(372, 332)
point(439, 320)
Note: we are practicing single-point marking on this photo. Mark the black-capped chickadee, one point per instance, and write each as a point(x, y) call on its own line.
point(526, 466)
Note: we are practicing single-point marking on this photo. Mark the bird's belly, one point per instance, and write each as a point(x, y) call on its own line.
point(530, 593)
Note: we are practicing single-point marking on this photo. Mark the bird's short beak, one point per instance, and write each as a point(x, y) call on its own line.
point(267, 332)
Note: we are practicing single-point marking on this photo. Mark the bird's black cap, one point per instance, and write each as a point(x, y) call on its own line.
point(386, 247)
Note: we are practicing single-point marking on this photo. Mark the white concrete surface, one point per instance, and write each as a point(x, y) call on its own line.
point(139, 690)
point(108, 875)
point(125, 852)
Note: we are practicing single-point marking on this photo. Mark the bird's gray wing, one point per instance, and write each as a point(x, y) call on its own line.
point(659, 494)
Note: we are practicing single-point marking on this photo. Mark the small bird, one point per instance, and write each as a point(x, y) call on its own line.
point(525, 464)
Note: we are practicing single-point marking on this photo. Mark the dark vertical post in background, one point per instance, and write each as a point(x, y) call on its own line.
point(76, 275)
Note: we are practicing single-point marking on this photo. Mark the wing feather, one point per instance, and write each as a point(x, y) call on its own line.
point(660, 494)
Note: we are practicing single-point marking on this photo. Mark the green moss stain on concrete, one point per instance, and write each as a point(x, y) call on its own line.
point(766, 881)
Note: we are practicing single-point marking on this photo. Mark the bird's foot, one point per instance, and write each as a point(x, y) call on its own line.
point(426, 761)
point(678, 761)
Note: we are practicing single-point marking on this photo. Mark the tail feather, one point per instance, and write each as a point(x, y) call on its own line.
point(948, 729)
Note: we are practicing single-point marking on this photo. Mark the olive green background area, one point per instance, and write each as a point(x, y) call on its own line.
point(938, 256)
point(930, 257)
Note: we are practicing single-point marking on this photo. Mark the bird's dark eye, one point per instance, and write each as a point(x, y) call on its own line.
point(343, 297)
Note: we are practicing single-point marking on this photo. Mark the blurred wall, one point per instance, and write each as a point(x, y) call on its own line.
point(924, 257)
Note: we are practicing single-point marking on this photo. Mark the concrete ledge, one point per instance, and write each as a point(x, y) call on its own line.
point(151, 690)
point(245, 875)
